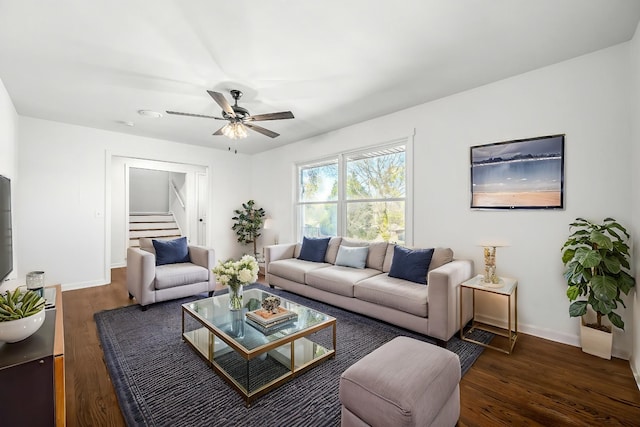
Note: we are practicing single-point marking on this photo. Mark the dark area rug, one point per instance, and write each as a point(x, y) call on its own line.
point(161, 381)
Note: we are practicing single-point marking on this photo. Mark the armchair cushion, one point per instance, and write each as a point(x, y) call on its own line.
point(171, 251)
point(171, 275)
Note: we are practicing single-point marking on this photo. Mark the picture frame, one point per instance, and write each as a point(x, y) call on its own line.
point(518, 174)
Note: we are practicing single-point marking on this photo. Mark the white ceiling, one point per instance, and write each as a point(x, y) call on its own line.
point(331, 62)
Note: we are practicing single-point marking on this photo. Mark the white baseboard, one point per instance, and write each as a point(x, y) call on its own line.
point(551, 335)
point(119, 264)
point(636, 374)
point(82, 285)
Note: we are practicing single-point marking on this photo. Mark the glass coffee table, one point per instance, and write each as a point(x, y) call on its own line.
point(249, 360)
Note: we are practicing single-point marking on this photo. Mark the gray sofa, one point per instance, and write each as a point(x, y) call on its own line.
point(431, 310)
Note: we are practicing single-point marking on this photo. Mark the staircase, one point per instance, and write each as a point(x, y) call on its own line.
point(154, 226)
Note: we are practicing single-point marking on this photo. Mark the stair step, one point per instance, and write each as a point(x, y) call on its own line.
point(153, 225)
point(151, 218)
point(154, 233)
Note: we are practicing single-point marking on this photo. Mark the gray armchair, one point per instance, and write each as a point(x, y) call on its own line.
point(149, 283)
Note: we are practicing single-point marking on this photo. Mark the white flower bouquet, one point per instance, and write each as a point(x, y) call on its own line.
point(236, 274)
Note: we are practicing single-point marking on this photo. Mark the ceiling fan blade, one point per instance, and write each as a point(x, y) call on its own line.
point(267, 132)
point(194, 115)
point(222, 102)
point(272, 116)
point(219, 131)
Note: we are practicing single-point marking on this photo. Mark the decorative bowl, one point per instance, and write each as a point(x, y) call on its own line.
point(19, 329)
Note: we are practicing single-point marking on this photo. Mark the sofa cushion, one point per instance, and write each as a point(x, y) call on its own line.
point(332, 250)
point(394, 293)
point(172, 275)
point(388, 259)
point(314, 250)
point(411, 264)
point(293, 269)
point(337, 279)
point(171, 251)
point(355, 257)
point(377, 251)
point(441, 256)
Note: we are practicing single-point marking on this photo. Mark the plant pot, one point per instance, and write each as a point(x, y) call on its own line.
point(594, 341)
point(19, 329)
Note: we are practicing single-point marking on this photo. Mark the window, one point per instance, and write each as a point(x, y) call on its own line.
point(318, 199)
point(362, 195)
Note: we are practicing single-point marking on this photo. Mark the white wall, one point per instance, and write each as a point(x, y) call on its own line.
point(635, 158)
point(65, 188)
point(9, 159)
point(584, 98)
point(148, 190)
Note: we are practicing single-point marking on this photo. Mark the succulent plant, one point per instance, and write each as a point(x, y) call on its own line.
point(17, 305)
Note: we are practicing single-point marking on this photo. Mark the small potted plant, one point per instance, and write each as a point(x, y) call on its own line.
point(596, 257)
point(21, 314)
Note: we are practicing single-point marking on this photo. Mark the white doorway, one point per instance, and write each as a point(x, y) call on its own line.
point(193, 186)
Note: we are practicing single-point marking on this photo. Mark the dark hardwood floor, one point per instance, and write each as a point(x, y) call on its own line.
point(542, 383)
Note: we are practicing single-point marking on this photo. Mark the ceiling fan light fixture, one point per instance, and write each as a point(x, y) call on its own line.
point(235, 130)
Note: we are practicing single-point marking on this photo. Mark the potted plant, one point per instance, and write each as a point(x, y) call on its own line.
point(596, 257)
point(21, 314)
point(248, 222)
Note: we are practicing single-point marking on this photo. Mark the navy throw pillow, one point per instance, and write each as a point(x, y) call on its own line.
point(411, 264)
point(171, 251)
point(314, 249)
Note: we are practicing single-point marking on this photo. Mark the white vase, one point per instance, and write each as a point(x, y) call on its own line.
point(595, 341)
point(17, 330)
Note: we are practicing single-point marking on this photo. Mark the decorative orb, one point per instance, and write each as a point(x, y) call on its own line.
point(19, 329)
point(271, 304)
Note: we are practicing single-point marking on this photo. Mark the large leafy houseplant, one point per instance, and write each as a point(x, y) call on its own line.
point(248, 223)
point(596, 257)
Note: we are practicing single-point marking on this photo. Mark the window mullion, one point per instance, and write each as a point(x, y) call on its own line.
point(342, 194)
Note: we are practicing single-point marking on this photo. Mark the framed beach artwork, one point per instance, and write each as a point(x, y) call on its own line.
point(519, 174)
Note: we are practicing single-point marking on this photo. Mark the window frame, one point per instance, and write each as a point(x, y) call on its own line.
point(342, 203)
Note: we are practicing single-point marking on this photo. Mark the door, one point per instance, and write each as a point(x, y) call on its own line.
point(202, 207)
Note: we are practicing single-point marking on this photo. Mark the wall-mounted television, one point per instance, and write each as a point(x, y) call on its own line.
point(518, 174)
point(6, 239)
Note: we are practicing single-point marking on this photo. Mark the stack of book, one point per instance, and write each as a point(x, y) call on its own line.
point(268, 322)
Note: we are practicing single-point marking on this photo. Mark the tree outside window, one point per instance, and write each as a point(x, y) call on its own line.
point(372, 203)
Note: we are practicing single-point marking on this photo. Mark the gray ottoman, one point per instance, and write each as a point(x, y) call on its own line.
point(405, 382)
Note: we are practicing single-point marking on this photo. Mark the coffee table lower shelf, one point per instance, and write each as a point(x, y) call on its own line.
point(254, 373)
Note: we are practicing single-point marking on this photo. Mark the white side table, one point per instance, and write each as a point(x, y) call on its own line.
point(506, 287)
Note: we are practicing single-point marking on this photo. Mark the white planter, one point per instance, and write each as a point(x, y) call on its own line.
point(17, 330)
point(595, 342)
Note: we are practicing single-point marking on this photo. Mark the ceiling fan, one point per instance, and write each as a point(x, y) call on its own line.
point(238, 117)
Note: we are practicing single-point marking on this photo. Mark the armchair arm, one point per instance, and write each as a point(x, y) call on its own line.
point(204, 257)
point(444, 295)
point(141, 275)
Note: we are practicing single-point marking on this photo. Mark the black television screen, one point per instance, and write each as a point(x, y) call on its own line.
point(519, 174)
point(6, 241)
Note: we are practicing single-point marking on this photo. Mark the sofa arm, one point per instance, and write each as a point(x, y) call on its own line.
point(281, 251)
point(141, 275)
point(444, 295)
point(275, 253)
